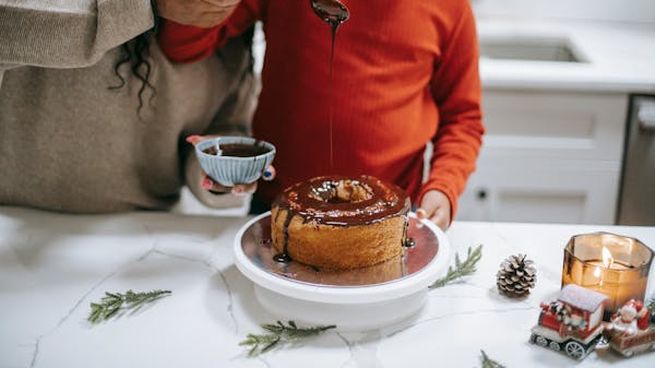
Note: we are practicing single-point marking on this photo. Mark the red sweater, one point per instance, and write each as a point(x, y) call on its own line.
point(405, 72)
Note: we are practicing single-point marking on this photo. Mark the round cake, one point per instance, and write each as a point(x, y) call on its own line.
point(339, 222)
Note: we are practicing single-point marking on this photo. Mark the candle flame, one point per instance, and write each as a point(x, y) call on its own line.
point(597, 272)
point(607, 257)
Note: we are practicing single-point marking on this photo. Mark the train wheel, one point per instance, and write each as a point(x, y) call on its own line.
point(541, 341)
point(555, 346)
point(574, 349)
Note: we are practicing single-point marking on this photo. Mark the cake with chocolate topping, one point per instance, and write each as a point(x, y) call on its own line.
point(339, 222)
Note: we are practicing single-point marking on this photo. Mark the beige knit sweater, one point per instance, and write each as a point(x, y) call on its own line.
point(69, 143)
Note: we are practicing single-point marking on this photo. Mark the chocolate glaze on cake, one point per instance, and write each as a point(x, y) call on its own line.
point(340, 201)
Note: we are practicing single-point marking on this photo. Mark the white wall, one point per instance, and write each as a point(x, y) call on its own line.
point(612, 10)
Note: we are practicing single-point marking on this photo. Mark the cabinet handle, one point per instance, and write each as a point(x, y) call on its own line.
point(482, 194)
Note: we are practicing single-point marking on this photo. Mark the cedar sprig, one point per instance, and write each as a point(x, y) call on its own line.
point(488, 362)
point(278, 334)
point(465, 268)
point(112, 303)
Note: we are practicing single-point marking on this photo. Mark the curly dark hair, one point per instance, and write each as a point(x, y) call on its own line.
point(136, 54)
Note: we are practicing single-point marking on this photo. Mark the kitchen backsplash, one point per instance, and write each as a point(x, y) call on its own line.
point(613, 10)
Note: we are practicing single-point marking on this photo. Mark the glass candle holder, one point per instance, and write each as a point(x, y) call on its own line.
point(614, 265)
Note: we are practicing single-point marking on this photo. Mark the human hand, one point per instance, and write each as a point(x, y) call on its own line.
point(240, 189)
point(199, 13)
point(435, 206)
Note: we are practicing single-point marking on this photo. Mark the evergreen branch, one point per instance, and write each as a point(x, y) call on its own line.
point(651, 305)
point(462, 268)
point(278, 334)
point(488, 362)
point(112, 303)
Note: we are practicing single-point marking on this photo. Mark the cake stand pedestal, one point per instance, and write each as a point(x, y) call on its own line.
point(353, 300)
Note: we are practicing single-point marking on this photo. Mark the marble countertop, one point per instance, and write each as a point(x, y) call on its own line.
point(620, 56)
point(52, 266)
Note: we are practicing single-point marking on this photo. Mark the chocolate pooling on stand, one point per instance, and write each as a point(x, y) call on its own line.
point(340, 202)
point(409, 242)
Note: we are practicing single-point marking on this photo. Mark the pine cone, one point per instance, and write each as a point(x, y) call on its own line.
point(517, 275)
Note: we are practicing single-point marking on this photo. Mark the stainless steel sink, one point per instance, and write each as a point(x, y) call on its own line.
point(536, 49)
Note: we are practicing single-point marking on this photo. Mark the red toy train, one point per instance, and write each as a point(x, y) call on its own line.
point(573, 323)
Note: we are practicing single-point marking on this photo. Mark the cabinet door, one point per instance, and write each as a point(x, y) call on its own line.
point(554, 191)
point(548, 157)
point(554, 125)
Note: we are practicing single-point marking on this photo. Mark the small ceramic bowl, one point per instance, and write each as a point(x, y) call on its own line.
point(231, 170)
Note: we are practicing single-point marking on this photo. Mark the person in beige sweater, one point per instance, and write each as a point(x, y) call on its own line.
point(93, 118)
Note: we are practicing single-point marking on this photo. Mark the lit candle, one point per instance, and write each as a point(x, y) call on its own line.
point(614, 265)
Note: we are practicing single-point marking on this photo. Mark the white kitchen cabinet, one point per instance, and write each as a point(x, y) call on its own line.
point(548, 157)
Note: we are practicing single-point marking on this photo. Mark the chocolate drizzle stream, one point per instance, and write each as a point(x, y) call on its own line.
point(407, 241)
point(334, 13)
point(284, 257)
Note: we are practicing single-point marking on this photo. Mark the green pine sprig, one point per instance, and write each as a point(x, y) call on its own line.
point(651, 305)
point(112, 303)
point(461, 268)
point(278, 334)
point(488, 362)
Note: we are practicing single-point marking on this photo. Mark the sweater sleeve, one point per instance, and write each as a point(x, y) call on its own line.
point(185, 44)
point(67, 34)
point(456, 90)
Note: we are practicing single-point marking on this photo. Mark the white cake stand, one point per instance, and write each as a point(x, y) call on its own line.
point(354, 300)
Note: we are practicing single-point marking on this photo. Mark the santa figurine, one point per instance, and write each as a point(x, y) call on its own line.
point(631, 318)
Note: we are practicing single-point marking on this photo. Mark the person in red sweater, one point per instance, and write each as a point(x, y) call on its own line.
point(405, 73)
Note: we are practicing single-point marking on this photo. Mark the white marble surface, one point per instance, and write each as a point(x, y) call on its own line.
point(621, 56)
point(52, 266)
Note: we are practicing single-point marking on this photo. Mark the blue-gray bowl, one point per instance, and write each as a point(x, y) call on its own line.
point(231, 170)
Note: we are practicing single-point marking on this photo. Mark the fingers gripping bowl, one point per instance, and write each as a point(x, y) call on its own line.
point(234, 160)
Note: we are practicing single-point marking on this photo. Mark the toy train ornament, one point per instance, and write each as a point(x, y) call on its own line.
point(573, 324)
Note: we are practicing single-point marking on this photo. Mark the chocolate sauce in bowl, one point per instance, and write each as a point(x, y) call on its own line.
point(237, 150)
